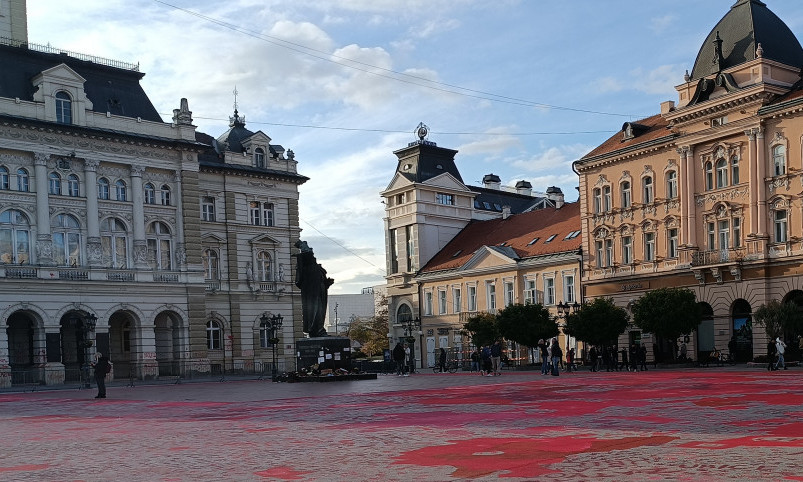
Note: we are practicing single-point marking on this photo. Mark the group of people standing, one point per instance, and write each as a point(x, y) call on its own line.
point(401, 357)
point(488, 360)
point(612, 359)
point(552, 357)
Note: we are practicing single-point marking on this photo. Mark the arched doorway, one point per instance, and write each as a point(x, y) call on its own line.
point(705, 331)
point(742, 324)
point(76, 345)
point(793, 348)
point(20, 332)
point(122, 344)
point(168, 332)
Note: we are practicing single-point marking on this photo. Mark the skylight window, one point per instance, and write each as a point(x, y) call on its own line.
point(550, 238)
point(497, 207)
point(457, 253)
point(503, 243)
point(572, 235)
point(486, 204)
point(535, 240)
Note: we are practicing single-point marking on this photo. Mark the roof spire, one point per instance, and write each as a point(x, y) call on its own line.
point(718, 60)
point(236, 120)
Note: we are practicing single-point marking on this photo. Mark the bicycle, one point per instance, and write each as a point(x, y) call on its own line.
point(450, 367)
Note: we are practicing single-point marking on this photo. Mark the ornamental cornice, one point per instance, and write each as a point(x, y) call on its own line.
point(727, 195)
point(668, 142)
point(759, 93)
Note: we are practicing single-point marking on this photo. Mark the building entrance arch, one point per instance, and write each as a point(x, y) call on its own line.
point(123, 343)
point(705, 331)
point(169, 332)
point(742, 325)
point(76, 345)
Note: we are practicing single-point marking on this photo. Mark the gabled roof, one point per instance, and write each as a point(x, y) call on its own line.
point(651, 128)
point(110, 89)
point(517, 233)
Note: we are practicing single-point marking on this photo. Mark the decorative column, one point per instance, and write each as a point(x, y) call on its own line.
point(140, 245)
point(752, 163)
point(44, 241)
point(761, 184)
point(692, 210)
point(181, 250)
point(94, 250)
point(686, 195)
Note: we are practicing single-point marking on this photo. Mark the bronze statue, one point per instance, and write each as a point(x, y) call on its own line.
point(311, 279)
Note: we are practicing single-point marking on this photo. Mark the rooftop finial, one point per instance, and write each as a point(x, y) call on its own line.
point(759, 51)
point(236, 120)
point(687, 77)
point(235, 100)
point(718, 60)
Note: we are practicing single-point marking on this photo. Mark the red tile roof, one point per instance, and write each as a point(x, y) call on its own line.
point(656, 127)
point(517, 232)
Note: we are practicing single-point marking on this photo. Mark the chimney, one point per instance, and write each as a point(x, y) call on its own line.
point(554, 194)
point(524, 187)
point(505, 212)
point(492, 181)
point(667, 107)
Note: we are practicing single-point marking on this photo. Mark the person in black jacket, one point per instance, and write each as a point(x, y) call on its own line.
point(399, 358)
point(102, 368)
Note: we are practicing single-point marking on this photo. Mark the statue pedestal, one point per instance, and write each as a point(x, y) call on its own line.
point(328, 351)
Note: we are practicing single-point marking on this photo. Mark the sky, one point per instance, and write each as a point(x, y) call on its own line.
point(521, 88)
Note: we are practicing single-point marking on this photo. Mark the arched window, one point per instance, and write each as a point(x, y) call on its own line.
point(63, 108)
point(722, 173)
point(160, 244)
point(103, 188)
point(779, 160)
point(741, 313)
point(165, 195)
point(73, 186)
point(22, 180)
point(597, 200)
point(626, 196)
point(120, 189)
point(3, 178)
point(214, 335)
point(54, 183)
point(735, 170)
point(649, 195)
point(259, 157)
point(15, 238)
point(210, 260)
point(264, 266)
point(709, 176)
point(114, 243)
point(66, 240)
point(671, 185)
point(404, 314)
point(150, 194)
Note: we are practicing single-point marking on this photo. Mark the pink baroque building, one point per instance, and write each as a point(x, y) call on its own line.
point(706, 194)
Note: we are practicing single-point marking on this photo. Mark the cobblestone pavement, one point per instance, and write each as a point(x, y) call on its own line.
point(693, 424)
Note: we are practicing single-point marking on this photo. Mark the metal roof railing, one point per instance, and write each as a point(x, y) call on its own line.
point(53, 50)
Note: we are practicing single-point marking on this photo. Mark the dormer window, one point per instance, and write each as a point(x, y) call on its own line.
point(719, 121)
point(259, 157)
point(63, 108)
point(627, 132)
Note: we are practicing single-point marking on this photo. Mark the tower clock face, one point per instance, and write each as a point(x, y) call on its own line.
point(422, 132)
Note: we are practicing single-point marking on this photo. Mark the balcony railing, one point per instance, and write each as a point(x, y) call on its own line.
point(717, 256)
point(21, 273)
point(73, 274)
point(268, 286)
point(212, 285)
point(120, 276)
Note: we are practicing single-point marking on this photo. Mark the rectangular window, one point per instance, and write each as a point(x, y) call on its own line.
point(529, 292)
point(441, 302)
point(712, 237)
point(408, 235)
point(261, 213)
point(780, 226)
point(737, 232)
point(549, 291)
point(208, 209)
point(597, 200)
point(394, 250)
point(428, 303)
point(648, 192)
point(627, 249)
point(600, 254)
point(491, 292)
point(472, 298)
point(606, 198)
point(400, 199)
point(609, 252)
point(509, 298)
point(724, 235)
point(671, 185)
point(672, 243)
point(568, 288)
point(649, 246)
point(625, 195)
point(457, 302)
point(443, 198)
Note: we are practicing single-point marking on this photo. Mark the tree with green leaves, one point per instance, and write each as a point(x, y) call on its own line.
point(667, 312)
point(482, 328)
point(599, 322)
point(372, 333)
point(526, 324)
point(783, 320)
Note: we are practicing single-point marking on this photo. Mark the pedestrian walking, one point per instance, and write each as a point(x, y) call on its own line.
point(615, 357)
point(442, 360)
point(771, 350)
point(542, 350)
point(408, 359)
point(103, 366)
point(780, 348)
point(557, 355)
point(475, 361)
point(496, 357)
point(399, 358)
point(486, 361)
point(592, 358)
point(633, 357)
point(642, 355)
point(570, 360)
point(624, 364)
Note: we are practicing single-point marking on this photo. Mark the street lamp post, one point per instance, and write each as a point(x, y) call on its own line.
point(564, 310)
point(88, 323)
point(271, 324)
point(410, 326)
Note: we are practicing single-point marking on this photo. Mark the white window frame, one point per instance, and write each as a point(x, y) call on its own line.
point(471, 300)
point(568, 288)
point(457, 302)
point(781, 225)
point(672, 242)
point(509, 292)
point(428, 303)
point(442, 302)
point(490, 295)
point(627, 249)
point(549, 290)
point(627, 198)
point(649, 246)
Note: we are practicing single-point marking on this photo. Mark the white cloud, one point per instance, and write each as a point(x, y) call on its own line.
point(659, 80)
point(661, 24)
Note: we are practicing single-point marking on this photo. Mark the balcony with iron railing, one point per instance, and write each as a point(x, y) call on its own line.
point(717, 256)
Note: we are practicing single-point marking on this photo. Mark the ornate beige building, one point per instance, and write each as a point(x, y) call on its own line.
point(707, 193)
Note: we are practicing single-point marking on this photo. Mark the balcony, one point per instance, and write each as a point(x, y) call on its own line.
point(717, 256)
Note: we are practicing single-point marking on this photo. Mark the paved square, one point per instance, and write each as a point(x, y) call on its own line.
point(692, 424)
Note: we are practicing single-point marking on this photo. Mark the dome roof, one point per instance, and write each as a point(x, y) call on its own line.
point(748, 23)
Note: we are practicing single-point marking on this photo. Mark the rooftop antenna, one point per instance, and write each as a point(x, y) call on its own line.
point(235, 99)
